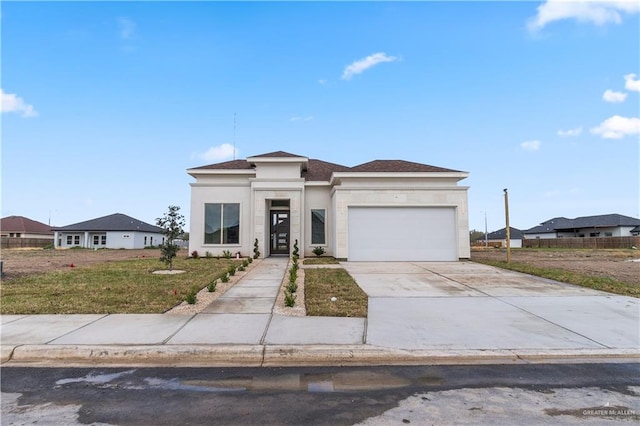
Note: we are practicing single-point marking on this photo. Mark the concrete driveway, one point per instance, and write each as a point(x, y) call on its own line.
point(465, 305)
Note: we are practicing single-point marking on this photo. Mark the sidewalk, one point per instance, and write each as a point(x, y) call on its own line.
point(240, 329)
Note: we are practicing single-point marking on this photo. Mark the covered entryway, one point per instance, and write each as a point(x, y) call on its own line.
point(402, 234)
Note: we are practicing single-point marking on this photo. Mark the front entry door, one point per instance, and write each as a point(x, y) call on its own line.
point(279, 232)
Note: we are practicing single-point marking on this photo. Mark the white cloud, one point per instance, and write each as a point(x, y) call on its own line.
point(126, 28)
point(617, 127)
point(13, 103)
point(323, 81)
point(531, 145)
point(307, 118)
point(220, 153)
point(364, 64)
point(570, 132)
point(632, 83)
point(613, 97)
point(598, 12)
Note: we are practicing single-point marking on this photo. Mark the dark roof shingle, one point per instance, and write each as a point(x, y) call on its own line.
point(397, 166)
point(318, 170)
point(599, 221)
point(114, 222)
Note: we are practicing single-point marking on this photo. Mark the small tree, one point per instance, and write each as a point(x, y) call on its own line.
point(172, 224)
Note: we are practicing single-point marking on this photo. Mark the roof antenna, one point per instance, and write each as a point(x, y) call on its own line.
point(234, 136)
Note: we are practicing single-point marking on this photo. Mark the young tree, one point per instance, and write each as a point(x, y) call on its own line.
point(172, 224)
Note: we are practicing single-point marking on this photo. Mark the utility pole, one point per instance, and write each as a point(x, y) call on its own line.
point(506, 215)
point(486, 237)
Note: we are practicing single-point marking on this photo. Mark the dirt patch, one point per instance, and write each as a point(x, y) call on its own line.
point(621, 265)
point(21, 262)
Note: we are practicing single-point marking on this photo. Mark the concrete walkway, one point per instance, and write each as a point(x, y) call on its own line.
point(423, 313)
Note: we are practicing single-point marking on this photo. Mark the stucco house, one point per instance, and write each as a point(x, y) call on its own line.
point(116, 231)
point(499, 238)
point(608, 225)
point(381, 210)
point(23, 227)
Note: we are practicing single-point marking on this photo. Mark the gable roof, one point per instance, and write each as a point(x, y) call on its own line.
point(114, 222)
point(501, 234)
point(599, 221)
point(319, 170)
point(24, 225)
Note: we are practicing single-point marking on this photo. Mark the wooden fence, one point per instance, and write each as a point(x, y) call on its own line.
point(12, 243)
point(586, 242)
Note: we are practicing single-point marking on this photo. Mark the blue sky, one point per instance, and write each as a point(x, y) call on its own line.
point(105, 105)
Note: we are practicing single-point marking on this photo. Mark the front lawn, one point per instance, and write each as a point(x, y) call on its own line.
point(322, 284)
point(117, 287)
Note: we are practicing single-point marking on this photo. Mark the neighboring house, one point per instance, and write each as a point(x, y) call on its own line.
point(635, 231)
point(608, 225)
point(22, 227)
point(381, 210)
point(116, 231)
point(499, 238)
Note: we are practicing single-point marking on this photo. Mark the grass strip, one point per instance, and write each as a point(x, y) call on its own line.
point(115, 287)
point(594, 282)
point(321, 284)
point(321, 261)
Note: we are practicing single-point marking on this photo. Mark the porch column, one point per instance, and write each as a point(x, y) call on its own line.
point(55, 239)
point(86, 239)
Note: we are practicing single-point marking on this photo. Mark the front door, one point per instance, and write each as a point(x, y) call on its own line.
point(279, 232)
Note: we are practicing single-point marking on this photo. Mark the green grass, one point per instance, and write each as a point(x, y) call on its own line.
point(597, 283)
point(323, 283)
point(115, 287)
point(321, 261)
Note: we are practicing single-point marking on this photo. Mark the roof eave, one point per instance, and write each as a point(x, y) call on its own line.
point(337, 176)
point(218, 172)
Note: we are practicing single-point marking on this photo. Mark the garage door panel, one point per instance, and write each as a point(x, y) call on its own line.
point(402, 234)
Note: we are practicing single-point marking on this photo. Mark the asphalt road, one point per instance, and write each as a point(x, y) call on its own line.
point(421, 395)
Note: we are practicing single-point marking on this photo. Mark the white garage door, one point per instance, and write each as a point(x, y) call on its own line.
point(402, 234)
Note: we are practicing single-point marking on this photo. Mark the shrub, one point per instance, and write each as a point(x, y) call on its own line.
point(212, 286)
point(225, 278)
point(292, 287)
point(249, 259)
point(289, 299)
point(191, 298)
point(194, 254)
point(208, 255)
point(318, 251)
point(231, 270)
point(256, 252)
point(245, 263)
point(293, 275)
point(48, 247)
point(296, 251)
point(241, 268)
point(226, 254)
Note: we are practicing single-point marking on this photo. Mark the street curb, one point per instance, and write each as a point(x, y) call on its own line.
point(319, 355)
point(289, 356)
point(145, 355)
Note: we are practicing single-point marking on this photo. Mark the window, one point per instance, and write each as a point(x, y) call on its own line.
point(96, 240)
point(76, 240)
point(608, 234)
point(221, 223)
point(69, 240)
point(317, 226)
point(103, 240)
point(145, 240)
